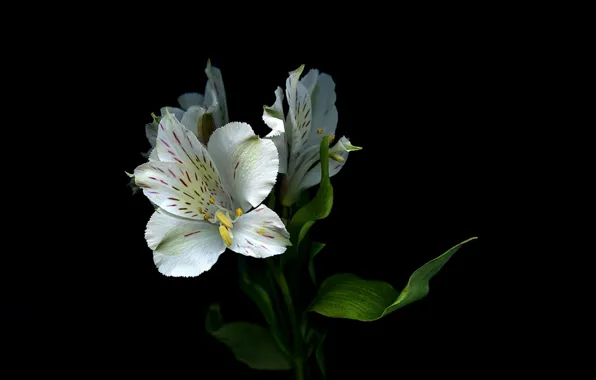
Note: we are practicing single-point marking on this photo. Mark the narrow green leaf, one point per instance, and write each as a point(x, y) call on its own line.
point(319, 207)
point(257, 285)
point(253, 345)
point(319, 354)
point(348, 296)
point(260, 297)
point(315, 248)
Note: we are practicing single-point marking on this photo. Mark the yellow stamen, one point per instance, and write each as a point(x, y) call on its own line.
point(206, 216)
point(331, 139)
point(239, 212)
point(223, 218)
point(211, 200)
point(336, 157)
point(261, 231)
point(319, 131)
point(225, 235)
point(200, 210)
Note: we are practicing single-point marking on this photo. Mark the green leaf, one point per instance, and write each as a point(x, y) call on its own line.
point(319, 354)
point(253, 345)
point(319, 207)
point(261, 298)
point(213, 320)
point(315, 248)
point(259, 287)
point(303, 199)
point(348, 296)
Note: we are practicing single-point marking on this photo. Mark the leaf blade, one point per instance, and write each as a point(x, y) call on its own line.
point(348, 296)
point(315, 248)
point(252, 345)
point(319, 207)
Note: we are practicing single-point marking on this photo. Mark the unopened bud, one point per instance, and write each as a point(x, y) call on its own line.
point(205, 127)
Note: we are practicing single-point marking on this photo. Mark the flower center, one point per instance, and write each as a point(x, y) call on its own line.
point(223, 219)
point(226, 224)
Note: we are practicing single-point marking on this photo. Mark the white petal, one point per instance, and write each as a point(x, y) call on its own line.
point(151, 133)
point(176, 189)
point(274, 116)
point(159, 225)
point(190, 99)
point(323, 108)
point(296, 172)
point(297, 164)
point(310, 80)
point(178, 112)
point(260, 233)
point(176, 144)
point(344, 144)
point(211, 105)
point(313, 176)
point(248, 164)
point(191, 117)
point(183, 248)
point(152, 156)
point(299, 111)
point(282, 149)
point(186, 178)
point(215, 87)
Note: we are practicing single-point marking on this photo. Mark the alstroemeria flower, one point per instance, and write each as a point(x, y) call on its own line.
point(312, 114)
point(203, 195)
point(200, 114)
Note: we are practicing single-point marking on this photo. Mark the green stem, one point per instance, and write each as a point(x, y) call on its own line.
point(299, 370)
point(285, 291)
point(287, 296)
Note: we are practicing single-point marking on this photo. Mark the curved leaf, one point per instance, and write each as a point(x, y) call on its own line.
point(348, 296)
point(314, 250)
point(261, 298)
point(251, 344)
point(256, 285)
point(319, 207)
point(319, 354)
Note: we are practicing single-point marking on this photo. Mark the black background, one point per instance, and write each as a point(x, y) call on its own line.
point(429, 106)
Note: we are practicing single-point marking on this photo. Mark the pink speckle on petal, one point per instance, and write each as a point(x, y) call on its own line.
point(176, 137)
point(236, 167)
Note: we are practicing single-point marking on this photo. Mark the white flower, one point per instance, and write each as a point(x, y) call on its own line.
point(200, 114)
point(312, 114)
point(203, 195)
